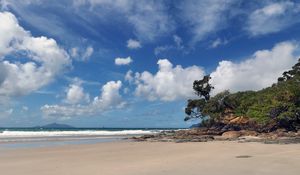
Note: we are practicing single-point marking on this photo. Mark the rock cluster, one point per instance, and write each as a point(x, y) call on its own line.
point(229, 127)
point(205, 134)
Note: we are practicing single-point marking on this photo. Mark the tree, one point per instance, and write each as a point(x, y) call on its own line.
point(287, 75)
point(194, 107)
point(265, 110)
point(202, 87)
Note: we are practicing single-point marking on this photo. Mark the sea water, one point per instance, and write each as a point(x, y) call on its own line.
point(40, 137)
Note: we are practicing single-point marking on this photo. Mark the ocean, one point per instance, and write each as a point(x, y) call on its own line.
point(12, 138)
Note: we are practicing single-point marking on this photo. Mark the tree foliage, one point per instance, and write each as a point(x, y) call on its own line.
point(279, 103)
point(202, 88)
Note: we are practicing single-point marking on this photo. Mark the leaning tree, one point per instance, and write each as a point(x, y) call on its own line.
point(202, 89)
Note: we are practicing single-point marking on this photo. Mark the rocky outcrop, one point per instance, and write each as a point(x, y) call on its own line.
point(230, 122)
point(208, 134)
point(231, 134)
point(229, 127)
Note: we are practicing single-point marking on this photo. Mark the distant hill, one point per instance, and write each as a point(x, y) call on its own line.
point(55, 126)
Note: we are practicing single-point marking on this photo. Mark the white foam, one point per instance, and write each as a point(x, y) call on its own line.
point(9, 134)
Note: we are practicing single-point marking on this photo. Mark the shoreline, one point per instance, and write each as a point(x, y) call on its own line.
point(159, 158)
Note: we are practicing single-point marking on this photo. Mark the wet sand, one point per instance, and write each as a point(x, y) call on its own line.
point(144, 158)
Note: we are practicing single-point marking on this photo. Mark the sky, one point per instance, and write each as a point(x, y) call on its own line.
point(131, 63)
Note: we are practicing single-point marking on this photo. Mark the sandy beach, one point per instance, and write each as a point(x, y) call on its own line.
point(141, 158)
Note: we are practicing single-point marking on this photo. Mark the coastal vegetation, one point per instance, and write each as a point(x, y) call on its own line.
point(265, 110)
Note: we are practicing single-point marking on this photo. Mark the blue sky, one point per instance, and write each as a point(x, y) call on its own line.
point(130, 63)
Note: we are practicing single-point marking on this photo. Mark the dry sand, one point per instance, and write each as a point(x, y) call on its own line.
point(132, 158)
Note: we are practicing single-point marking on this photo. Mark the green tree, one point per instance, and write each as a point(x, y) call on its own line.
point(194, 107)
point(202, 87)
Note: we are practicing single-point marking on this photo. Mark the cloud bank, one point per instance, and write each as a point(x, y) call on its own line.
point(168, 84)
point(149, 19)
point(27, 63)
point(273, 17)
point(109, 98)
point(258, 71)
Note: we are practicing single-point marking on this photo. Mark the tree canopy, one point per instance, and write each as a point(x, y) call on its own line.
point(202, 88)
point(278, 104)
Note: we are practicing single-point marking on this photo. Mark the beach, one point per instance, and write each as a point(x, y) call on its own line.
point(154, 158)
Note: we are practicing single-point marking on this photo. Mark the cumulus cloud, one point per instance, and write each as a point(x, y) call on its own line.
point(44, 59)
point(168, 84)
point(82, 54)
point(273, 17)
point(75, 94)
point(133, 44)
point(259, 71)
point(109, 98)
point(123, 61)
point(253, 73)
point(2, 73)
point(128, 76)
point(110, 95)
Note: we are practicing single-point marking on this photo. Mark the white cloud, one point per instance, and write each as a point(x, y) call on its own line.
point(178, 41)
point(256, 72)
point(110, 95)
point(88, 52)
point(128, 76)
point(2, 73)
point(109, 98)
point(44, 59)
point(259, 71)
point(133, 44)
point(10, 111)
point(218, 42)
point(150, 19)
point(76, 80)
point(4, 113)
point(29, 12)
point(161, 49)
point(25, 108)
point(205, 17)
point(165, 48)
point(123, 61)
point(169, 83)
point(80, 54)
point(75, 94)
point(273, 17)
